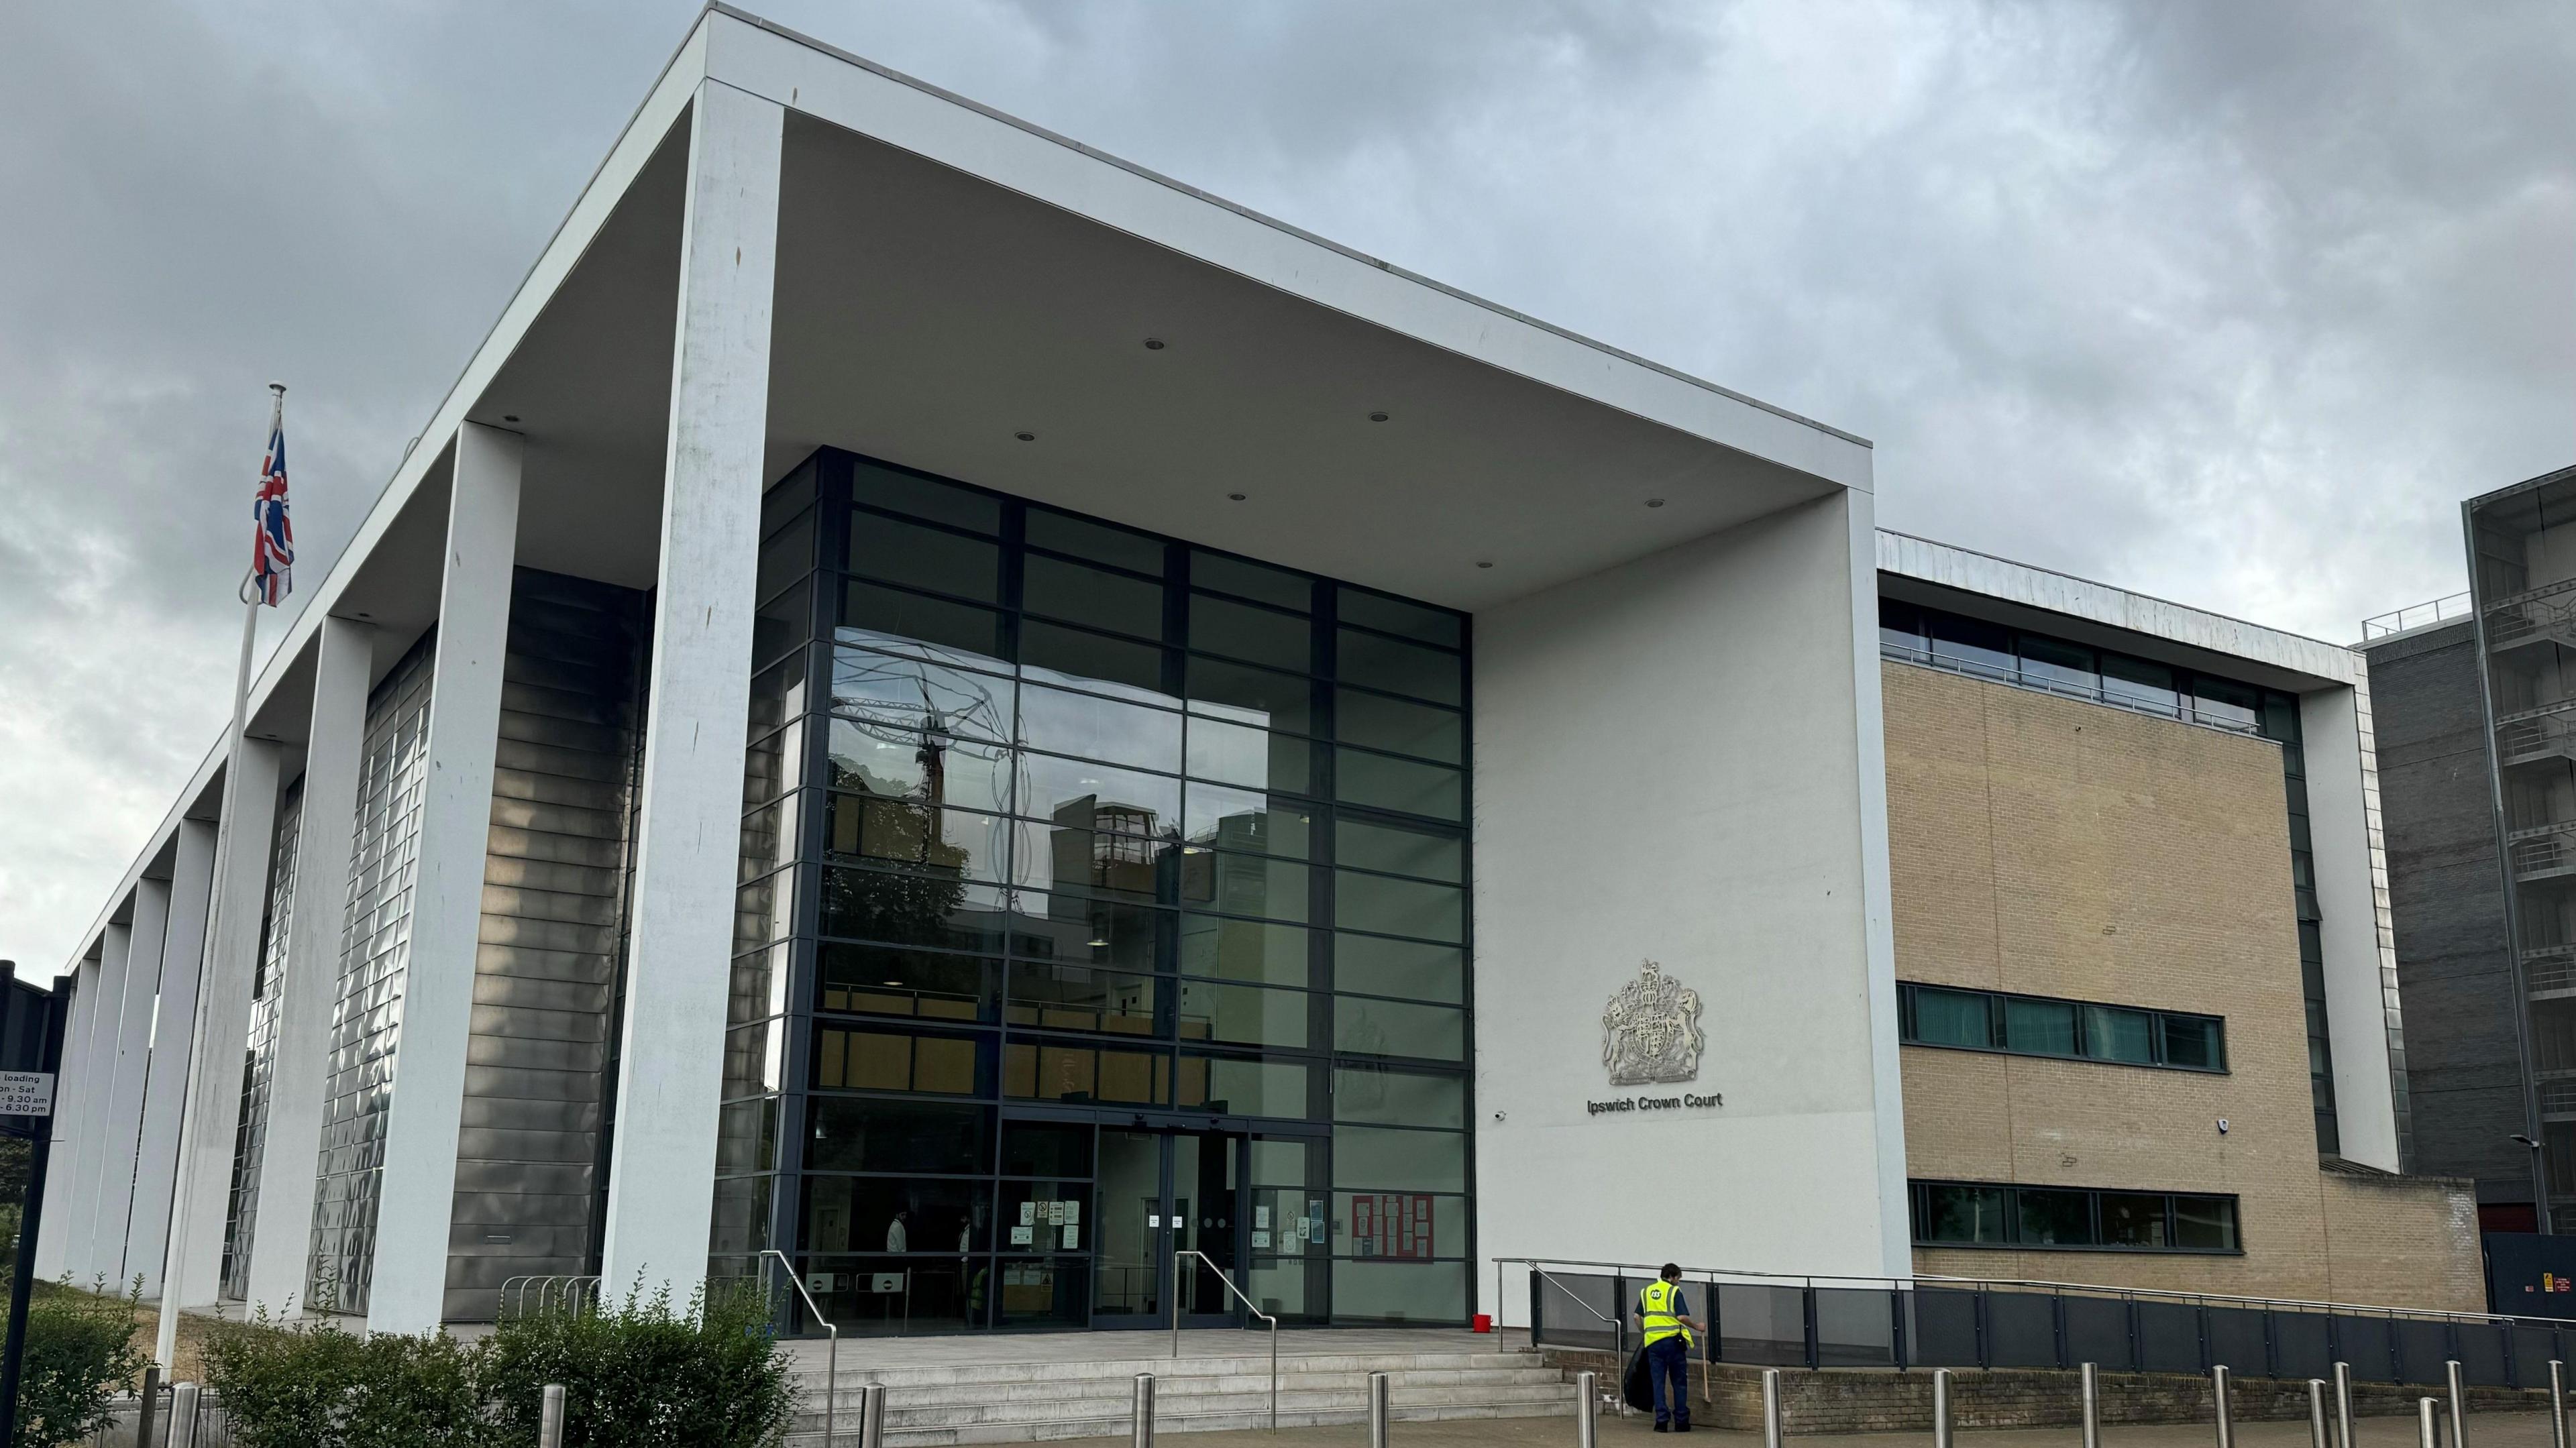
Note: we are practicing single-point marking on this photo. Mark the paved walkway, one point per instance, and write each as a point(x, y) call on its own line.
point(2496, 1430)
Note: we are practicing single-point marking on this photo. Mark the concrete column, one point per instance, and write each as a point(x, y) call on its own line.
point(194, 1262)
point(165, 1081)
point(55, 1254)
point(688, 837)
point(417, 1197)
point(299, 1070)
point(98, 1082)
point(121, 1133)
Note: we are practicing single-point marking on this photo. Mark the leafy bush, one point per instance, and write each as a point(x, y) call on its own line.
point(643, 1376)
point(80, 1353)
point(320, 1387)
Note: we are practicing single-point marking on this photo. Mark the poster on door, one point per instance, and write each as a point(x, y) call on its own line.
point(1391, 1224)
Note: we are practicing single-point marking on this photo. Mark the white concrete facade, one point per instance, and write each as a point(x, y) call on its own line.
point(120, 1134)
point(147, 1237)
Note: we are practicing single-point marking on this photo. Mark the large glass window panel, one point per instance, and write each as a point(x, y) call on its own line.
point(785, 496)
point(1247, 579)
point(859, 1133)
point(1083, 794)
point(1100, 542)
point(1061, 721)
point(1101, 863)
point(862, 1059)
point(1241, 755)
point(1238, 1087)
point(2198, 1042)
point(1384, 1291)
point(2045, 1028)
point(1952, 1018)
point(891, 550)
point(883, 487)
point(1900, 627)
point(890, 762)
point(2235, 706)
point(2055, 1218)
point(1245, 950)
point(1398, 1028)
point(2062, 666)
point(1244, 885)
point(1377, 1157)
point(1396, 667)
point(1400, 725)
point(758, 985)
point(777, 695)
point(1047, 1148)
point(2139, 684)
point(1226, 818)
point(1973, 644)
point(897, 621)
point(1948, 1213)
point(1069, 1072)
point(755, 1058)
point(1047, 1215)
point(781, 623)
point(903, 834)
point(1384, 782)
point(2133, 1219)
point(1399, 1098)
point(889, 908)
point(1257, 635)
point(1089, 930)
point(1264, 698)
point(2114, 1034)
point(1399, 968)
point(1060, 655)
point(1092, 596)
point(918, 699)
point(1045, 1292)
point(894, 1214)
point(1391, 906)
point(1243, 1014)
point(1401, 850)
point(1415, 1226)
point(785, 556)
point(1398, 616)
point(1057, 996)
point(877, 980)
point(2205, 1224)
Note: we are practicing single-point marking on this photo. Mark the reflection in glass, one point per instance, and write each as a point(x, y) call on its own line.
point(1245, 950)
point(1246, 579)
point(891, 763)
point(1089, 930)
point(898, 909)
point(1244, 885)
point(1237, 1086)
point(1398, 1028)
point(894, 620)
point(859, 1133)
point(886, 1060)
point(1101, 542)
point(1063, 722)
point(916, 699)
point(1256, 635)
point(1081, 794)
point(900, 492)
point(917, 556)
point(1397, 616)
point(1399, 1098)
point(1422, 1161)
point(1385, 782)
point(1245, 695)
point(1240, 755)
point(2054, 1218)
point(1247, 1014)
point(1376, 662)
point(1081, 998)
point(902, 834)
point(1240, 819)
point(1053, 1071)
point(1092, 596)
point(2133, 1219)
point(1400, 725)
point(1391, 906)
point(1399, 968)
point(1059, 655)
point(875, 980)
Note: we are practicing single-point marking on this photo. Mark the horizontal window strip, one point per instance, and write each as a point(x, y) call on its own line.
point(1960, 1018)
point(2054, 1218)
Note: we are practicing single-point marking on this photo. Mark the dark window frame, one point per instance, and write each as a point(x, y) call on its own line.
point(1918, 1200)
point(1908, 1035)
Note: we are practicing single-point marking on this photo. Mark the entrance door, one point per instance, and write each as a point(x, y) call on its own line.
point(1160, 1193)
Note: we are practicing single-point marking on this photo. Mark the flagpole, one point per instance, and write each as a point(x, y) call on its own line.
point(165, 1346)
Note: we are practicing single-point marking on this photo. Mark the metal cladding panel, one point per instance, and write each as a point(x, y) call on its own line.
point(554, 913)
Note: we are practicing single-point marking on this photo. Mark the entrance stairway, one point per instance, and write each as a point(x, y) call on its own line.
point(1023, 1402)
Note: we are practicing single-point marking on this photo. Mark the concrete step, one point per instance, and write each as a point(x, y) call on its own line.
point(810, 1434)
point(1118, 1389)
point(855, 1368)
point(899, 1413)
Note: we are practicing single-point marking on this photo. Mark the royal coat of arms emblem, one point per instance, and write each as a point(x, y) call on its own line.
point(1650, 1032)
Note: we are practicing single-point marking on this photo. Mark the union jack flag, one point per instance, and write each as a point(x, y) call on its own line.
point(272, 539)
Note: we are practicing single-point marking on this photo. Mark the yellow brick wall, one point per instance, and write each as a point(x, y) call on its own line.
point(2048, 846)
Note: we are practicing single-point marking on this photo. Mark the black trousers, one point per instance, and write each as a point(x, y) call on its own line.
point(1668, 1368)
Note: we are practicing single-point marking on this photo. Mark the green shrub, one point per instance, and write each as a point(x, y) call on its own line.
point(80, 1353)
point(643, 1376)
point(320, 1387)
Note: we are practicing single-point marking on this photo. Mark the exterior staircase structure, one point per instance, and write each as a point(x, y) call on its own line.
point(1038, 1388)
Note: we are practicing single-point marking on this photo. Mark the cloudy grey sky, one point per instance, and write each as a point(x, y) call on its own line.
point(2226, 302)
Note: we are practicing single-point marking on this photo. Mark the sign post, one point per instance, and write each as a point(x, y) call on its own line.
point(31, 1035)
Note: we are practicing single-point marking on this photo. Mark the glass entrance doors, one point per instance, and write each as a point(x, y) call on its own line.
point(1161, 1193)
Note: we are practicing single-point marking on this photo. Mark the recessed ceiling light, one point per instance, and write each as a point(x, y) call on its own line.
point(1654, 502)
point(1238, 497)
point(1154, 344)
point(509, 417)
point(1482, 563)
point(1377, 417)
point(1026, 436)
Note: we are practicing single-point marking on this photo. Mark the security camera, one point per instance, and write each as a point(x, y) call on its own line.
point(2222, 1126)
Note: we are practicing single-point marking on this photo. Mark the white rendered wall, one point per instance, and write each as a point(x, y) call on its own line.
point(91, 1255)
point(2349, 900)
point(60, 1242)
point(688, 836)
point(281, 1244)
point(165, 1082)
point(417, 1196)
point(1675, 761)
point(121, 1132)
point(193, 1264)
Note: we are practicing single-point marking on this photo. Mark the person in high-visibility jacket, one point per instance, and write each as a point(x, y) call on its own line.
point(1665, 1315)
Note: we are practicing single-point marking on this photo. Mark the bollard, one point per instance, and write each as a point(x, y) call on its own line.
point(2226, 1415)
point(1587, 1410)
point(2343, 1405)
point(1941, 1408)
point(2459, 1404)
point(1772, 1432)
point(146, 1406)
point(1378, 1410)
point(871, 1416)
point(1144, 1410)
point(183, 1416)
point(2091, 1383)
point(2428, 1424)
point(550, 1417)
point(2557, 1404)
point(2317, 1414)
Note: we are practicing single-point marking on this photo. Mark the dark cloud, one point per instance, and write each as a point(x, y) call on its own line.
point(2230, 303)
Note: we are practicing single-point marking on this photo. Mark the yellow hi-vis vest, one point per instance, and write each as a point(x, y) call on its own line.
point(1655, 1306)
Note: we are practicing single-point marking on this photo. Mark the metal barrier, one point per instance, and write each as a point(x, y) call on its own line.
point(1144, 1410)
point(872, 1401)
point(2428, 1423)
point(550, 1417)
point(1587, 1410)
point(1941, 1430)
point(2222, 1410)
point(571, 1294)
point(2343, 1405)
point(1777, 1320)
point(1380, 1409)
point(2459, 1403)
point(2557, 1404)
point(2089, 1392)
point(1248, 1305)
point(1773, 1432)
point(2317, 1414)
point(832, 1350)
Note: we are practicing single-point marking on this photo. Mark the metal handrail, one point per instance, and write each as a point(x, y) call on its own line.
point(1248, 1305)
point(831, 1354)
point(2105, 1289)
point(1618, 1325)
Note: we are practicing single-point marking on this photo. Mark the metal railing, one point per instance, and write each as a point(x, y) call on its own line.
point(572, 1293)
point(1786, 1320)
point(2164, 704)
point(2440, 610)
point(1616, 1318)
point(831, 1350)
point(1248, 1305)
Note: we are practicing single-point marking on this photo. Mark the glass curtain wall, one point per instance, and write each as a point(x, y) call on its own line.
point(259, 1060)
point(1093, 883)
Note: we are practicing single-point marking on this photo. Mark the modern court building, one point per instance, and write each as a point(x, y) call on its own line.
point(946, 707)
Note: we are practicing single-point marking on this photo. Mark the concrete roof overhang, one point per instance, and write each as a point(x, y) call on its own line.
point(949, 277)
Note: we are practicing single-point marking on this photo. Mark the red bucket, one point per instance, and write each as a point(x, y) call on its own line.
point(1484, 1322)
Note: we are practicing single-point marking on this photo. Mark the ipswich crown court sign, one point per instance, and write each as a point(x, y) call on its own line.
point(1650, 1036)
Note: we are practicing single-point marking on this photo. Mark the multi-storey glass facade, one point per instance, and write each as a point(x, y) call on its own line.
point(1104, 898)
point(259, 1059)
